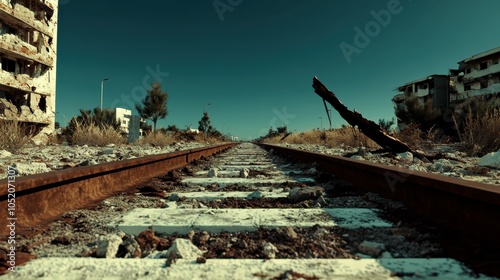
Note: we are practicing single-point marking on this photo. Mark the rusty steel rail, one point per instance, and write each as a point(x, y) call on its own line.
point(465, 206)
point(43, 197)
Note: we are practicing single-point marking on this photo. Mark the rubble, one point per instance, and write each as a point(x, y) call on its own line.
point(213, 172)
point(129, 248)
point(32, 168)
point(5, 154)
point(107, 246)
point(491, 160)
point(307, 193)
point(183, 248)
point(269, 250)
point(371, 248)
point(464, 167)
point(244, 173)
point(39, 159)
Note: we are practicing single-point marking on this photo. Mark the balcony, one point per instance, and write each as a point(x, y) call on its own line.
point(26, 115)
point(494, 88)
point(50, 4)
point(24, 17)
point(495, 68)
point(13, 45)
point(24, 82)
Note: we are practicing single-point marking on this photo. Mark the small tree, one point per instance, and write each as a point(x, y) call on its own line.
point(282, 129)
point(204, 124)
point(100, 118)
point(173, 128)
point(386, 124)
point(154, 105)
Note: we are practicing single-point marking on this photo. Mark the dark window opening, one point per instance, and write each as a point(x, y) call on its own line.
point(483, 84)
point(467, 87)
point(483, 65)
point(467, 70)
point(7, 29)
point(42, 104)
point(8, 65)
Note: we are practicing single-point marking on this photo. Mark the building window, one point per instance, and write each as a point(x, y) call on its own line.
point(5, 29)
point(467, 70)
point(483, 65)
point(495, 61)
point(467, 87)
point(8, 65)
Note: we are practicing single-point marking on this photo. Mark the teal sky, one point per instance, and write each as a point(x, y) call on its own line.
point(254, 60)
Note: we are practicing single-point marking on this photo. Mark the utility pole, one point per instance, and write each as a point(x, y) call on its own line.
point(102, 89)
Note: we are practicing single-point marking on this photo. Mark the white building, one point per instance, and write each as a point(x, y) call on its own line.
point(478, 75)
point(123, 116)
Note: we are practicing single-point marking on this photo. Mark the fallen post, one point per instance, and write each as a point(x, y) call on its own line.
point(369, 128)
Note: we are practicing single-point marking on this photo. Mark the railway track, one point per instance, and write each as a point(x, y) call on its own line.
point(250, 214)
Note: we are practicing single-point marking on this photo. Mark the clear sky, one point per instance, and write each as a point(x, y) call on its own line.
point(254, 60)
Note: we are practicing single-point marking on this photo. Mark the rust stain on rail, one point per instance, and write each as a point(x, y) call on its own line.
point(462, 205)
point(43, 197)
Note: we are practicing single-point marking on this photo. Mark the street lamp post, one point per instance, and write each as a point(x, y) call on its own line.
point(102, 89)
point(321, 122)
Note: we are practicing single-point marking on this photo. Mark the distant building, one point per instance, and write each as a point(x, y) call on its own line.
point(476, 76)
point(192, 130)
point(434, 87)
point(28, 51)
point(123, 116)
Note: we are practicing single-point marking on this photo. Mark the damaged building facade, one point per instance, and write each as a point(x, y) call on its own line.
point(28, 50)
point(477, 76)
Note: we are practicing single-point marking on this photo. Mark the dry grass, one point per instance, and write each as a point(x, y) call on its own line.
point(416, 138)
point(346, 135)
point(157, 140)
point(95, 136)
point(481, 132)
point(13, 136)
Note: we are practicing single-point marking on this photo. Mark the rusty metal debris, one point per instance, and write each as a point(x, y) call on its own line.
point(46, 196)
point(467, 206)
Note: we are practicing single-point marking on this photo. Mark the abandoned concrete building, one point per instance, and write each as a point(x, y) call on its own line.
point(476, 76)
point(434, 86)
point(28, 51)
